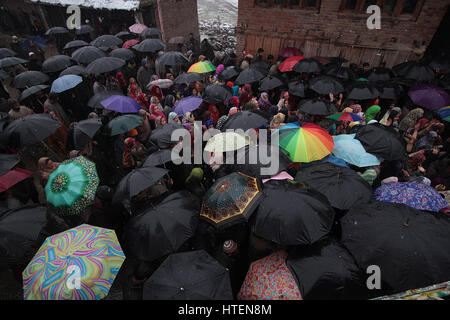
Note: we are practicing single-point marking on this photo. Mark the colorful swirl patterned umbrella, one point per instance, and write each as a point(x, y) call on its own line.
point(270, 279)
point(444, 113)
point(72, 187)
point(202, 67)
point(418, 196)
point(92, 253)
point(306, 143)
point(345, 116)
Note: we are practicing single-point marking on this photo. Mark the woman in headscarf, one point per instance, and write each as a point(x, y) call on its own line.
point(142, 99)
point(391, 117)
point(234, 102)
point(209, 124)
point(155, 91)
point(145, 129)
point(133, 89)
point(160, 121)
point(173, 118)
point(372, 112)
point(214, 112)
point(45, 167)
point(410, 119)
point(156, 112)
point(246, 94)
point(357, 109)
point(263, 102)
point(169, 102)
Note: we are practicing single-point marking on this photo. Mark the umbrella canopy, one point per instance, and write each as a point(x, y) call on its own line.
point(96, 254)
point(28, 79)
point(270, 279)
point(160, 157)
point(340, 72)
point(95, 101)
point(407, 244)
point(56, 63)
point(400, 68)
point(173, 58)
point(193, 275)
point(444, 113)
point(416, 195)
point(87, 54)
point(440, 64)
point(231, 199)
point(7, 162)
point(217, 93)
point(389, 89)
point(124, 123)
point(229, 73)
point(347, 148)
point(84, 131)
point(3, 75)
point(270, 83)
point(326, 85)
point(202, 67)
point(162, 136)
point(105, 64)
point(188, 77)
point(12, 177)
point(177, 40)
point(32, 128)
point(163, 229)
point(245, 120)
point(345, 116)
point(137, 28)
point(72, 186)
point(187, 104)
point(327, 271)
point(149, 46)
point(429, 96)
point(261, 65)
point(11, 61)
point(290, 215)
point(382, 141)
point(290, 52)
point(249, 75)
point(56, 30)
point(379, 74)
point(121, 104)
point(151, 32)
point(107, 41)
point(297, 88)
point(308, 66)
point(417, 71)
point(317, 107)
point(343, 187)
point(129, 43)
point(362, 91)
point(226, 141)
point(6, 52)
point(19, 229)
point(136, 181)
point(84, 29)
point(288, 64)
point(306, 143)
point(75, 70)
point(162, 83)
point(65, 83)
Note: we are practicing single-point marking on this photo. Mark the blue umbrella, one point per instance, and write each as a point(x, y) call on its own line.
point(65, 83)
point(349, 149)
point(187, 104)
point(39, 41)
point(121, 104)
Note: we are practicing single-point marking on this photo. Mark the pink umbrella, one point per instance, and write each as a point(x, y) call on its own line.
point(128, 44)
point(137, 28)
point(13, 177)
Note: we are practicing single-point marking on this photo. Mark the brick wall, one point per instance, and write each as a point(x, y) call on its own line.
point(329, 32)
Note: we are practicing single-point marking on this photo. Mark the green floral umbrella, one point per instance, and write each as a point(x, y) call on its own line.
point(72, 186)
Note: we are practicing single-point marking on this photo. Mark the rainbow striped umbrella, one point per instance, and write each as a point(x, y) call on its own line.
point(444, 113)
point(78, 264)
point(305, 143)
point(202, 67)
point(345, 116)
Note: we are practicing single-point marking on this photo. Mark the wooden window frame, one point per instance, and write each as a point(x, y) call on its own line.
point(397, 12)
point(286, 4)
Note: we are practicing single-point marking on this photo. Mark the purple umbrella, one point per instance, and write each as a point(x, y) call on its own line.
point(121, 104)
point(429, 96)
point(187, 104)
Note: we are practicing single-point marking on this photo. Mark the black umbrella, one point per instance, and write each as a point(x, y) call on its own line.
point(417, 71)
point(5, 52)
point(106, 41)
point(3, 75)
point(122, 53)
point(401, 67)
point(317, 107)
point(326, 85)
point(56, 63)
point(261, 66)
point(188, 77)
point(76, 70)
point(173, 58)
point(290, 214)
point(297, 88)
point(343, 187)
point(340, 72)
point(193, 275)
point(7, 162)
point(229, 73)
point(19, 230)
point(360, 90)
point(75, 44)
point(163, 229)
point(84, 29)
point(162, 136)
point(308, 66)
point(389, 89)
point(84, 131)
point(270, 83)
point(124, 34)
point(105, 64)
point(327, 271)
point(379, 74)
point(217, 93)
point(409, 246)
point(28, 79)
point(32, 128)
point(382, 141)
point(11, 61)
point(31, 91)
point(56, 30)
point(87, 54)
point(440, 64)
point(149, 46)
point(151, 32)
point(160, 157)
point(245, 120)
point(249, 75)
point(95, 100)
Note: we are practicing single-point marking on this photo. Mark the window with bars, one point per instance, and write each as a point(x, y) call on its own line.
point(390, 7)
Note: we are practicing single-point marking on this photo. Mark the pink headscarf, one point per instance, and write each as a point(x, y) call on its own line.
point(219, 69)
point(155, 112)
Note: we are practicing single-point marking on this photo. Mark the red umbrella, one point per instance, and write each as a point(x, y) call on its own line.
point(290, 52)
point(12, 177)
point(289, 63)
point(128, 44)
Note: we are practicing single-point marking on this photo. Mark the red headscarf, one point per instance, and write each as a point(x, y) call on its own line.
point(246, 94)
point(155, 91)
point(145, 104)
point(234, 101)
point(121, 80)
point(134, 91)
point(214, 112)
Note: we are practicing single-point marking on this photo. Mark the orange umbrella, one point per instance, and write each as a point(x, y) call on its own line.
point(289, 63)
